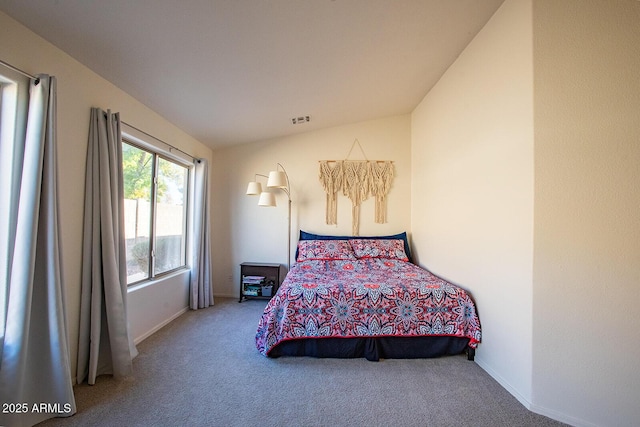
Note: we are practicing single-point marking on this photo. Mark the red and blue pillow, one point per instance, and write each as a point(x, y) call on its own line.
point(379, 248)
point(325, 250)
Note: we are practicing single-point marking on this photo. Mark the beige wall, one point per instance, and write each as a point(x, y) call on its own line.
point(79, 89)
point(517, 177)
point(472, 178)
point(526, 190)
point(587, 210)
point(245, 232)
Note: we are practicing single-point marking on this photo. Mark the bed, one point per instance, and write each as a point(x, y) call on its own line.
point(352, 297)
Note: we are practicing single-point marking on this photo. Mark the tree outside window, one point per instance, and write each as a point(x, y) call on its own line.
point(155, 190)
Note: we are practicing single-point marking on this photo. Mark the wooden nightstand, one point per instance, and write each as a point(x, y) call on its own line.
point(258, 280)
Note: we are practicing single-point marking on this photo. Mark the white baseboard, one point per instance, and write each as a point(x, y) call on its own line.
point(550, 413)
point(147, 334)
point(225, 295)
point(514, 392)
point(559, 416)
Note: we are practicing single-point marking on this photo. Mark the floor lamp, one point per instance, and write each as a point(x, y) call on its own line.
point(276, 179)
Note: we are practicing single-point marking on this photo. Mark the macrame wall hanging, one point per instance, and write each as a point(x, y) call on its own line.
point(331, 179)
point(357, 179)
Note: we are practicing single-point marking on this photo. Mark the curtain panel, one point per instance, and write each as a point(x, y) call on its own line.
point(35, 367)
point(201, 292)
point(105, 345)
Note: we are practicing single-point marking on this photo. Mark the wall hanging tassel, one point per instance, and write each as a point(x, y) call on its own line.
point(381, 175)
point(331, 179)
point(356, 187)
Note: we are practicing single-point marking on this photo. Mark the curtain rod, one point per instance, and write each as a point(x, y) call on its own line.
point(18, 70)
point(171, 147)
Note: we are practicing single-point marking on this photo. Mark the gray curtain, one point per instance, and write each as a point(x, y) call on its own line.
point(201, 292)
point(105, 345)
point(35, 364)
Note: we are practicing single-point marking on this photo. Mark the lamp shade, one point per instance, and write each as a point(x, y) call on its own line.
point(277, 179)
point(254, 188)
point(267, 199)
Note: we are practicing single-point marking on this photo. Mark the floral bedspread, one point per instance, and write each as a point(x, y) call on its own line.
point(367, 297)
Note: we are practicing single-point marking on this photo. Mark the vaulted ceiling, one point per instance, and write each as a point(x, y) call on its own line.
point(237, 71)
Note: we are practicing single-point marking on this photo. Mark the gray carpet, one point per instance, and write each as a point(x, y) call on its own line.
point(203, 370)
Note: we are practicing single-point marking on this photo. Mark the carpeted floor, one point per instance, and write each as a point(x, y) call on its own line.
point(203, 370)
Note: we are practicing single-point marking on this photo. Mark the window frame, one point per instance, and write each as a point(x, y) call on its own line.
point(161, 150)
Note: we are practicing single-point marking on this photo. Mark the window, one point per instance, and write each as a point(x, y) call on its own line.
point(14, 96)
point(156, 191)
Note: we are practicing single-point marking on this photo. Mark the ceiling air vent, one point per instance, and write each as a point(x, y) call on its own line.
point(299, 120)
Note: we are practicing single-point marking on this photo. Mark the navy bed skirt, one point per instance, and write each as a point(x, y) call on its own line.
point(374, 349)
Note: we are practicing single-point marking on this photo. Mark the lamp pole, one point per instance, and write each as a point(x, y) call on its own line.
point(280, 179)
point(287, 190)
point(289, 239)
